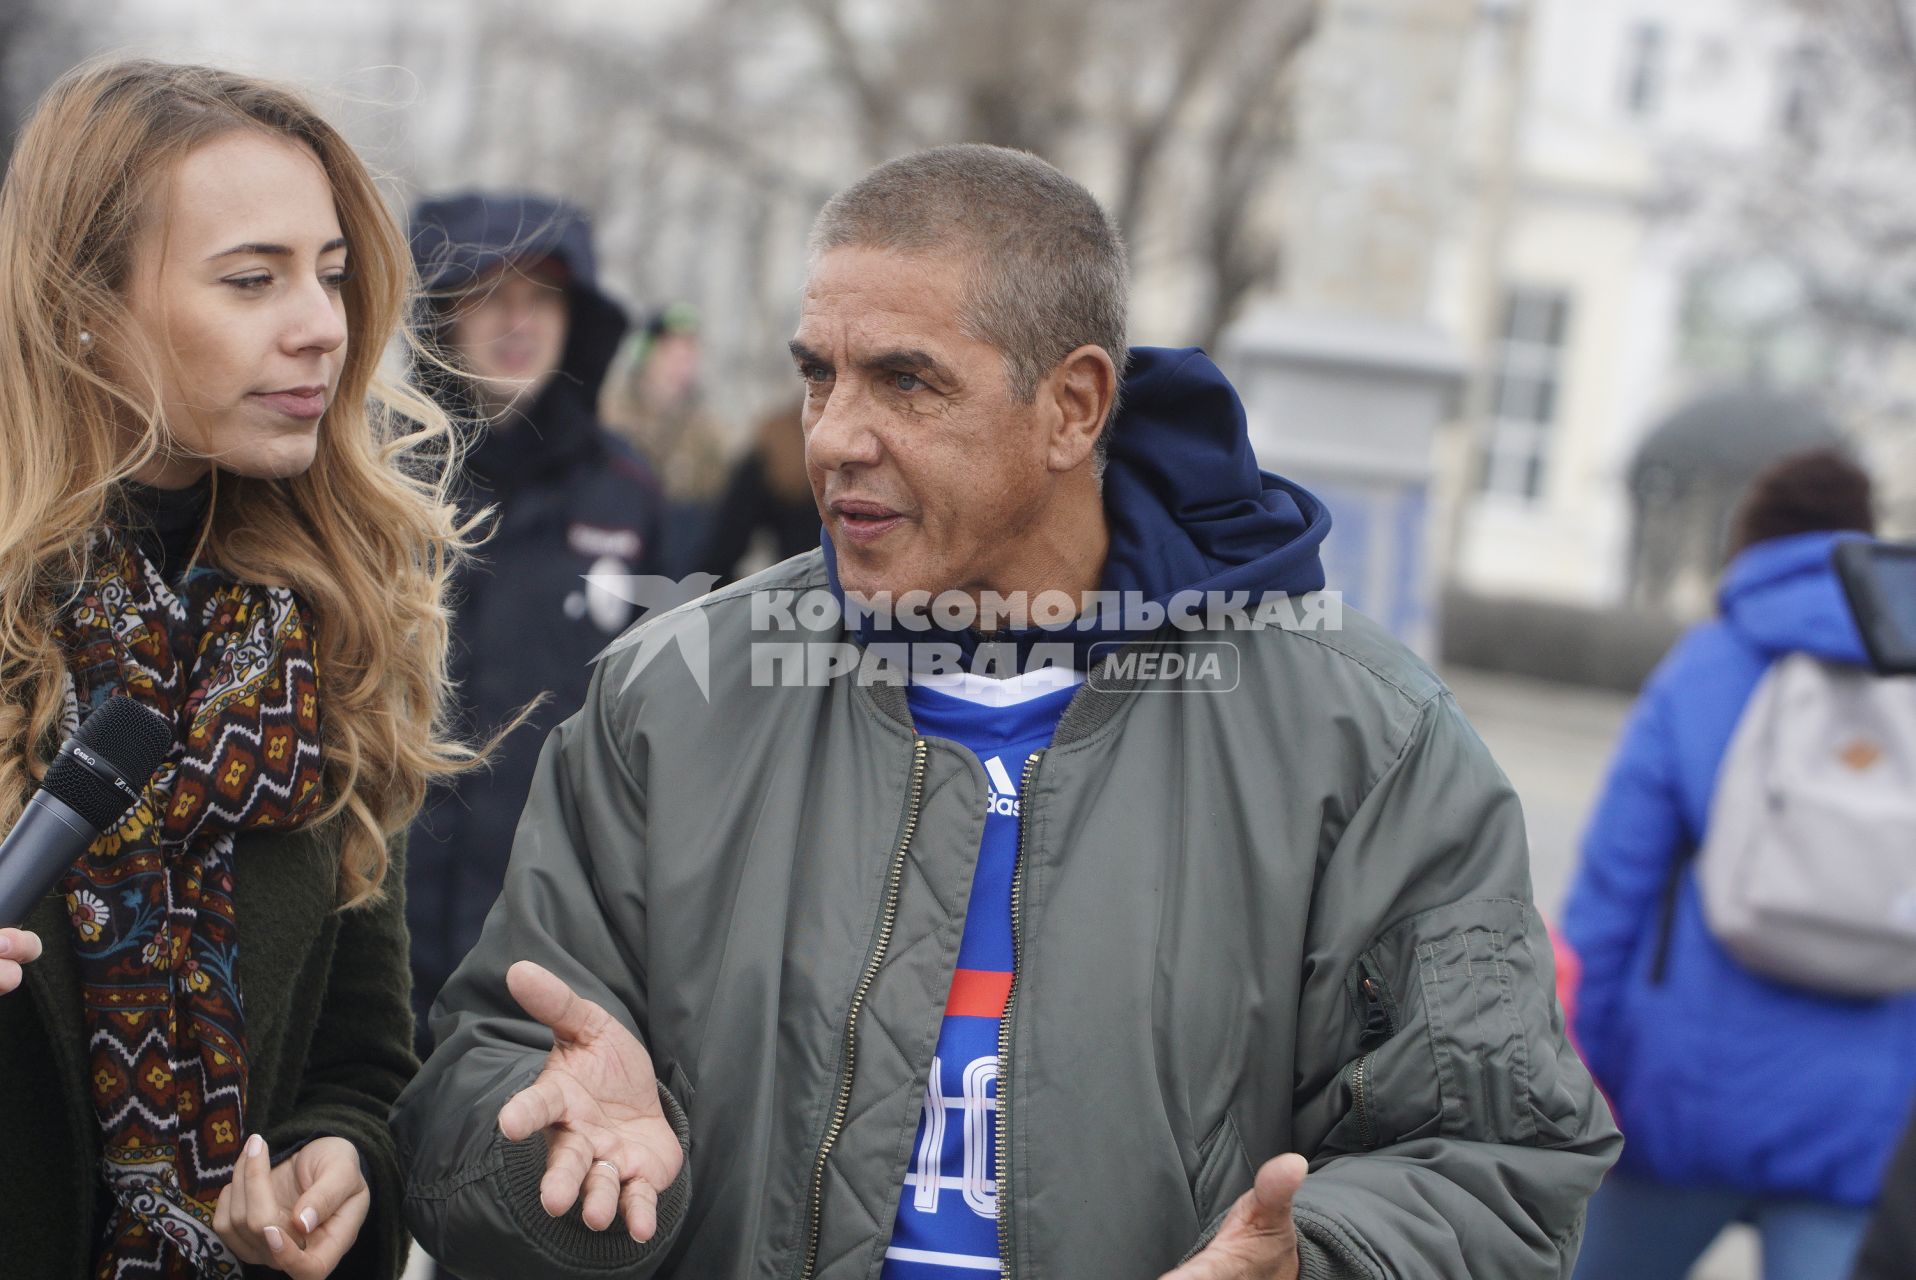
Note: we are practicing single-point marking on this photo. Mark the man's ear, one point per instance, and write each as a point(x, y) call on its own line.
point(1079, 393)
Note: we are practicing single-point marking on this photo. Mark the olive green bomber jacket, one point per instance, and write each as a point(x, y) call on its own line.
point(1291, 916)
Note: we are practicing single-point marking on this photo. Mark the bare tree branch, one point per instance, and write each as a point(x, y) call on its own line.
point(875, 99)
point(1257, 130)
point(1204, 38)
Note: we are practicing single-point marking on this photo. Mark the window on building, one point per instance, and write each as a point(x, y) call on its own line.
point(1524, 394)
point(1644, 53)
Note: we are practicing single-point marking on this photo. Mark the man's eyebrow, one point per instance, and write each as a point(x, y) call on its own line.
point(803, 354)
point(907, 360)
point(258, 249)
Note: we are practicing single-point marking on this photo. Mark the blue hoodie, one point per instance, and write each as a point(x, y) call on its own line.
point(1187, 507)
point(1719, 1077)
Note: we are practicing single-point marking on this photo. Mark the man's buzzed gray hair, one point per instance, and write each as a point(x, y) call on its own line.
point(1048, 271)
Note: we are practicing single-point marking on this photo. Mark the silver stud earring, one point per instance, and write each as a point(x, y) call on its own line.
point(86, 340)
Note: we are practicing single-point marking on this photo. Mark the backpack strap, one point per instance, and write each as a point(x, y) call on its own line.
point(1666, 913)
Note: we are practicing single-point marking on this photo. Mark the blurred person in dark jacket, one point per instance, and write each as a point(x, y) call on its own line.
point(767, 513)
point(1741, 1097)
point(654, 401)
point(517, 311)
point(1889, 1250)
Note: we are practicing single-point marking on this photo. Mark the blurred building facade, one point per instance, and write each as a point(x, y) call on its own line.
point(1580, 313)
point(1494, 183)
point(1543, 214)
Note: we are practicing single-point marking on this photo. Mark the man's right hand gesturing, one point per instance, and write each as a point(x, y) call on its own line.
point(598, 1102)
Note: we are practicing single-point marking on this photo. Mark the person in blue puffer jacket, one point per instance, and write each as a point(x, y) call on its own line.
point(1741, 1099)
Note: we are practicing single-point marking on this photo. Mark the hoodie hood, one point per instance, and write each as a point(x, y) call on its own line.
point(1188, 509)
point(1783, 596)
point(458, 240)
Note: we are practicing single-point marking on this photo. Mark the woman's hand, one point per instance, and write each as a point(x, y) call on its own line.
point(17, 947)
point(300, 1217)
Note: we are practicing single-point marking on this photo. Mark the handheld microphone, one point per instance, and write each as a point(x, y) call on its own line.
point(90, 785)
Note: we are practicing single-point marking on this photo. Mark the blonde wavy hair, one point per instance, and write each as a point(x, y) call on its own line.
point(366, 537)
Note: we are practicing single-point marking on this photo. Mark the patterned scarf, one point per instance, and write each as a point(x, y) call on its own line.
point(151, 903)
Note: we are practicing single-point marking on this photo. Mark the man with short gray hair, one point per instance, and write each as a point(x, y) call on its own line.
point(1044, 878)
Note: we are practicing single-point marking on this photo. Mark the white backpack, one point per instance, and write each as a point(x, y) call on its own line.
point(1808, 869)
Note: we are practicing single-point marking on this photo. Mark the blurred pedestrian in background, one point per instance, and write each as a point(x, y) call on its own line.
point(1889, 1250)
point(655, 402)
point(516, 311)
point(1741, 1097)
point(767, 513)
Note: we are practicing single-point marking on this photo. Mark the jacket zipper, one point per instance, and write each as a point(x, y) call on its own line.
point(1360, 1103)
point(1003, 1191)
point(888, 918)
point(1377, 1028)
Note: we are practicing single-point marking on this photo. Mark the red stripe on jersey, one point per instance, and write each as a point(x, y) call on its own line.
point(978, 993)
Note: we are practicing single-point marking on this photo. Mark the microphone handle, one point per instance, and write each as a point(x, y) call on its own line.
point(49, 838)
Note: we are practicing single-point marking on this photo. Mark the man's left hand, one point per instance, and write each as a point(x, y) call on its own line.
point(1257, 1240)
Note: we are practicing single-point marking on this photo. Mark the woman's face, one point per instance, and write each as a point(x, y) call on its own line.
point(509, 331)
point(237, 282)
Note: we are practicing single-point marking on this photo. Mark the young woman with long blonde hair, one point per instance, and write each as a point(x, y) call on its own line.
point(212, 501)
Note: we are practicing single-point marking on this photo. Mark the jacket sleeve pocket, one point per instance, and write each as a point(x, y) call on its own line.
point(1355, 1109)
point(1470, 1139)
point(1473, 1001)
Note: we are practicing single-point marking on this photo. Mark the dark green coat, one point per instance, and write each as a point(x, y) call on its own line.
point(328, 1020)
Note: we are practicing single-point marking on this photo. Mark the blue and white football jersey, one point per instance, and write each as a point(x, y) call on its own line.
point(947, 1223)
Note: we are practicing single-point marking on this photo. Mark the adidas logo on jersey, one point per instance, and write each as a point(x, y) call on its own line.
point(1003, 799)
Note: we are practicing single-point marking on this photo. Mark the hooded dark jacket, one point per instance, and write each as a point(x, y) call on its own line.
point(571, 500)
point(1889, 1250)
point(1293, 914)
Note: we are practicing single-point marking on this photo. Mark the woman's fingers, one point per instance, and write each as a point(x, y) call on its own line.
point(336, 1234)
point(17, 948)
point(233, 1199)
point(335, 1178)
point(327, 1191)
point(19, 944)
point(223, 1218)
point(601, 1195)
point(232, 1216)
point(263, 1216)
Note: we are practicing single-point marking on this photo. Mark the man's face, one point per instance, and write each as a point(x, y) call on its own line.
point(928, 472)
point(509, 332)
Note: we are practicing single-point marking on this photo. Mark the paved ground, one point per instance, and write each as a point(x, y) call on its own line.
point(1555, 743)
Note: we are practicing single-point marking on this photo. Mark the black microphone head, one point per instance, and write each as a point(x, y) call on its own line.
point(130, 739)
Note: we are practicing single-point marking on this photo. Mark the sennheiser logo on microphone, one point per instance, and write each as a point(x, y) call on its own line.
point(102, 769)
point(83, 795)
